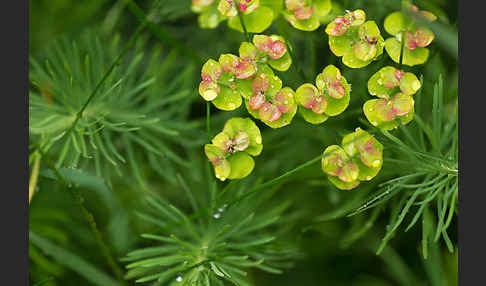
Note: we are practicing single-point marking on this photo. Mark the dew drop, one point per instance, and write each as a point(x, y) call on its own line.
point(179, 278)
point(217, 215)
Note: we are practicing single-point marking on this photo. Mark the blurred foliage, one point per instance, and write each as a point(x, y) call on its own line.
point(320, 235)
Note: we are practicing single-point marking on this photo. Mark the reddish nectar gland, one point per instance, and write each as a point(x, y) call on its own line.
point(398, 74)
point(256, 101)
point(269, 112)
point(242, 7)
point(277, 50)
point(304, 13)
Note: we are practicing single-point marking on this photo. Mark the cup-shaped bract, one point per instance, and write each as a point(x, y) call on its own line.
point(305, 14)
point(273, 51)
point(388, 113)
point(225, 82)
point(256, 17)
point(359, 158)
point(231, 150)
point(356, 41)
point(395, 89)
point(390, 80)
point(406, 32)
point(271, 103)
point(329, 97)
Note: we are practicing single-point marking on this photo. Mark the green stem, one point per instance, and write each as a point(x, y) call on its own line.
point(401, 49)
point(276, 180)
point(282, 28)
point(79, 200)
point(208, 120)
point(242, 22)
point(163, 35)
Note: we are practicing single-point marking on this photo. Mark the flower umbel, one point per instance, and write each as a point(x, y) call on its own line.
point(357, 41)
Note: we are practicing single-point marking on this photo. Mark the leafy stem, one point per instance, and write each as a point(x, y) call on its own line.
point(34, 176)
point(242, 22)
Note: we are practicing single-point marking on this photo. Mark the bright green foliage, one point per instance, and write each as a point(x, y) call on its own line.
point(329, 97)
point(217, 248)
point(404, 27)
point(271, 103)
point(357, 41)
point(226, 81)
point(128, 110)
point(231, 150)
point(257, 18)
point(394, 89)
point(305, 14)
point(358, 159)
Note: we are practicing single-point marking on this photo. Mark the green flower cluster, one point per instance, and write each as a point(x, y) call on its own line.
point(329, 97)
point(258, 15)
point(405, 28)
point(356, 41)
point(305, 14)
point(358, 159)
point(250, 76)
point(394, 89)
point(231, 150)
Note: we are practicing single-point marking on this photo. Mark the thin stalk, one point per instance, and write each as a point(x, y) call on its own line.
point(34, 176)
point(79, 200)
point(208, 121)
point(242, 22)
point(276, 180)
point(401, 49)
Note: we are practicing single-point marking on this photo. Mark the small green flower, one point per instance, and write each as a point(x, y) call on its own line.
point(389, 80)
point(304, 14)
point(357, 41)
point(231, 150)
point(272, 50)
point(224, 82)
point(271, 103)
point(257, 18)
point(330, 96)
point(416, 37)
point(359, 159)
point(394, 89)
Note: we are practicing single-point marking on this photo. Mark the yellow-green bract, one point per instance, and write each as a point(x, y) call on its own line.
point(404, 28)
point(231, 150)
point(394, 89)
point(359, 158)
point(356, 41)
point(329, 97)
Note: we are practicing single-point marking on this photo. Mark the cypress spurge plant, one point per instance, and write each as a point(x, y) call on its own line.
point(395, 105)
point(124, 114)
point(219, 245)
point(329, 97)
point(427, 158)
point(407, 33)
point(359, 159)
point(356, 40)
point(232, 149)
point(230, 79)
